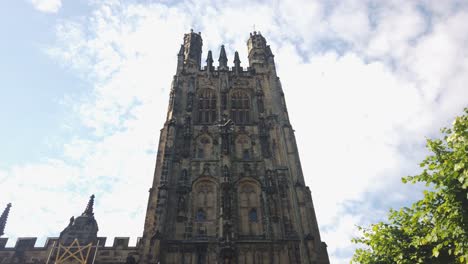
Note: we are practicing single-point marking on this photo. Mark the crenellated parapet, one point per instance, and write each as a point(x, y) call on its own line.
point(26, 251)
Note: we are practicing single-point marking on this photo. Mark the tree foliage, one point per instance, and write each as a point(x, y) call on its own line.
point(435, 228)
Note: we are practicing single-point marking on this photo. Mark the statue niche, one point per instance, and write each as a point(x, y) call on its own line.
point(204, 147)
point(243, 147)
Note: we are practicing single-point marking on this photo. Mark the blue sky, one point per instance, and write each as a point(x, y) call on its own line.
point(85, 87)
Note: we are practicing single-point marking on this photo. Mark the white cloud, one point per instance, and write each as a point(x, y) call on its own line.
point(48, 6)
point(398, 78)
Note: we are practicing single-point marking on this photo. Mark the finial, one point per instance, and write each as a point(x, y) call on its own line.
point(89, 208)
point(222, 58)
point(191, 30)
point(3, 219)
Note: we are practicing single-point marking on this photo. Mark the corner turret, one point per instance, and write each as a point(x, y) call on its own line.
point(259, 53)
point(3, 219)
point(192, 50)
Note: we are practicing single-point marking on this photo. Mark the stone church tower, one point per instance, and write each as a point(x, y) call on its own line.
point(228, 185)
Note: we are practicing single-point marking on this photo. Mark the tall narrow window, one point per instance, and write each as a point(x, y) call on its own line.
point(240, 107)
point(206, 106)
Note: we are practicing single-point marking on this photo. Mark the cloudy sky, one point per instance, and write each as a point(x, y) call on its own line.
point(85, 83)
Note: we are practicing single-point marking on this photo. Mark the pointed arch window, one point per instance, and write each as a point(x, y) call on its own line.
point(206, 106)
point(240, 107)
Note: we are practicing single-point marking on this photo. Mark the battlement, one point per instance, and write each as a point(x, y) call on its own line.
point(29, 243)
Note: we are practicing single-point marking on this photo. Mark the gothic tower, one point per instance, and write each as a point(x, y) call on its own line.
point(228, 185)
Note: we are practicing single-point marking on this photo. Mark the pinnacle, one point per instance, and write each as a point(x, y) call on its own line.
point(3, 219)
point(209, 58)
point(89, 208)
point(222, 57)
point(236, 60)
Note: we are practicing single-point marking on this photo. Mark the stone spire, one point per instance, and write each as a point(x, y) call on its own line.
point(3, 219)
point(209, 61)
point(89, 208)
point(222, 59)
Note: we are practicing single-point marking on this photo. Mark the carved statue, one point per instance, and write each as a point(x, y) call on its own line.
point(226, 128)
point(72, 219)
point(206, 169)
point(181, 204)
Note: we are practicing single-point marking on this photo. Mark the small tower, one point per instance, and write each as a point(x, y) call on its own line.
point(192, 50)
point(3, 219)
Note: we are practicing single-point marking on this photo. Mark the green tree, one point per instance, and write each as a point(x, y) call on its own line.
point(435, 228)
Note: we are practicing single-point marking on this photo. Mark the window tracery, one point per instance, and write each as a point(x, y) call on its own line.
point(249, 205)
point(240, 107)
point(206, 106)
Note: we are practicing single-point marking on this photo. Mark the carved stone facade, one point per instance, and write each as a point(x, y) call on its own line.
point(228, 185)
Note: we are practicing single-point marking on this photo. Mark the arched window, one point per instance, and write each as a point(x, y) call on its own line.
point(204, 210)
point(240, 107)
point(249, 204)
point(206, 106)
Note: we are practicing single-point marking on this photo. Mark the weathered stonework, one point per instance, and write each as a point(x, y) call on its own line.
point(228, 185)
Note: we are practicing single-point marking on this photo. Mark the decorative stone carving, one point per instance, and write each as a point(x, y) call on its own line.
point(226, 129)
